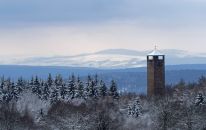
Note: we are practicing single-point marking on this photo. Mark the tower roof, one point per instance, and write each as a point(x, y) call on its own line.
point(155, 53)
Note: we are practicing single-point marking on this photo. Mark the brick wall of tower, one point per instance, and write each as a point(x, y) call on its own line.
point(155, 76)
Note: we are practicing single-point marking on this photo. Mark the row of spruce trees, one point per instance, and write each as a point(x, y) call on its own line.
point(57, 89)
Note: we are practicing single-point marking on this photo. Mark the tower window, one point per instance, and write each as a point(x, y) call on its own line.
point(150, 57)
point(160, 57)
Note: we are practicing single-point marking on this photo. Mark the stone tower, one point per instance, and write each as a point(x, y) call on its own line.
point(155, 74)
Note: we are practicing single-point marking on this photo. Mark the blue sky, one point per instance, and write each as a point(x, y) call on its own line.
point(67, 27)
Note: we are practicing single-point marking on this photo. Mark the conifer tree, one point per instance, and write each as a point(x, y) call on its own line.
point(113, 90)
point(102, 89)
point(87, 88)
point(96, 86)
point(14, 92)
point(20, 85)
point(49, 81)
point(46, 91)
point(91, 87)
point(7, 91)
point(79, 89)
point(48, 87)
point(6, 97)
point(8, 84)
point(31, 83)
point(36, 86)
point(96, 80)
point(58, 80)
point(54, 96)
point(199, 99)
point(71, 87)
point(2, 86)
point(135, 109)
point(2, 83)
point(63, 91)
point(129, 109)
point(41, 88)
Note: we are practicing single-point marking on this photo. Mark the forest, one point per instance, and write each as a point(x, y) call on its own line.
point(58, 103)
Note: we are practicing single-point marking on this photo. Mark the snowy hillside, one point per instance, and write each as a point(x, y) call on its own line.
point(113, 58)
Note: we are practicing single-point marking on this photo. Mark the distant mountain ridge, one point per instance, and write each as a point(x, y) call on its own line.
point(111, 58)
point(129, 79)
point(123, 52)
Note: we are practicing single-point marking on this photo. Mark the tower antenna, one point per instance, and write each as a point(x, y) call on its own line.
point(155, 47)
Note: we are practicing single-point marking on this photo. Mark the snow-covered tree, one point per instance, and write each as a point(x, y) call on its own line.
point(14, 92)
point(199, 99)
point(31, 83)
point(2, 83)
point(20, 85)
point(113, 90)
point(54, 96)
point(89, 80)
point(6, 92)
point(71, 87)
point(58, 81)
point(6, 96)
point(96, 80)
point(138, 108)
point(92, 87)
point(129, 110)
point(46, 92)
point(79, 93)
point(96, 86)
point(2, 86)
point(49, 81)
point(41, 89)
point(47, 88)
point(8, 84)
point(91, 90)
point(102, 89)
point(36, 86)
point(63, 91)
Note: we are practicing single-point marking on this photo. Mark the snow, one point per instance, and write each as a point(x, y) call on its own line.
point(155, 53)
point(117, 58)
point(91, 60)
point(31, 102)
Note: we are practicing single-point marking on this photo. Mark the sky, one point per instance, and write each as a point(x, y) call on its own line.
point(70, 27)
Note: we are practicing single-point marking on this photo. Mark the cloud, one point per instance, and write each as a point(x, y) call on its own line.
point(70, 39)
point(158, 12)
point(58, 11)
point(66, 27)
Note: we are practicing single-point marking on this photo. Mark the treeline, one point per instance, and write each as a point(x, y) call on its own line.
point(183, 107)
point(75, 105)
point(57, 89)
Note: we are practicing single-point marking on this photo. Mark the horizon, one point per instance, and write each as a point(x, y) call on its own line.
point(44, 28)
point(194, 53)
point(107, 59)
